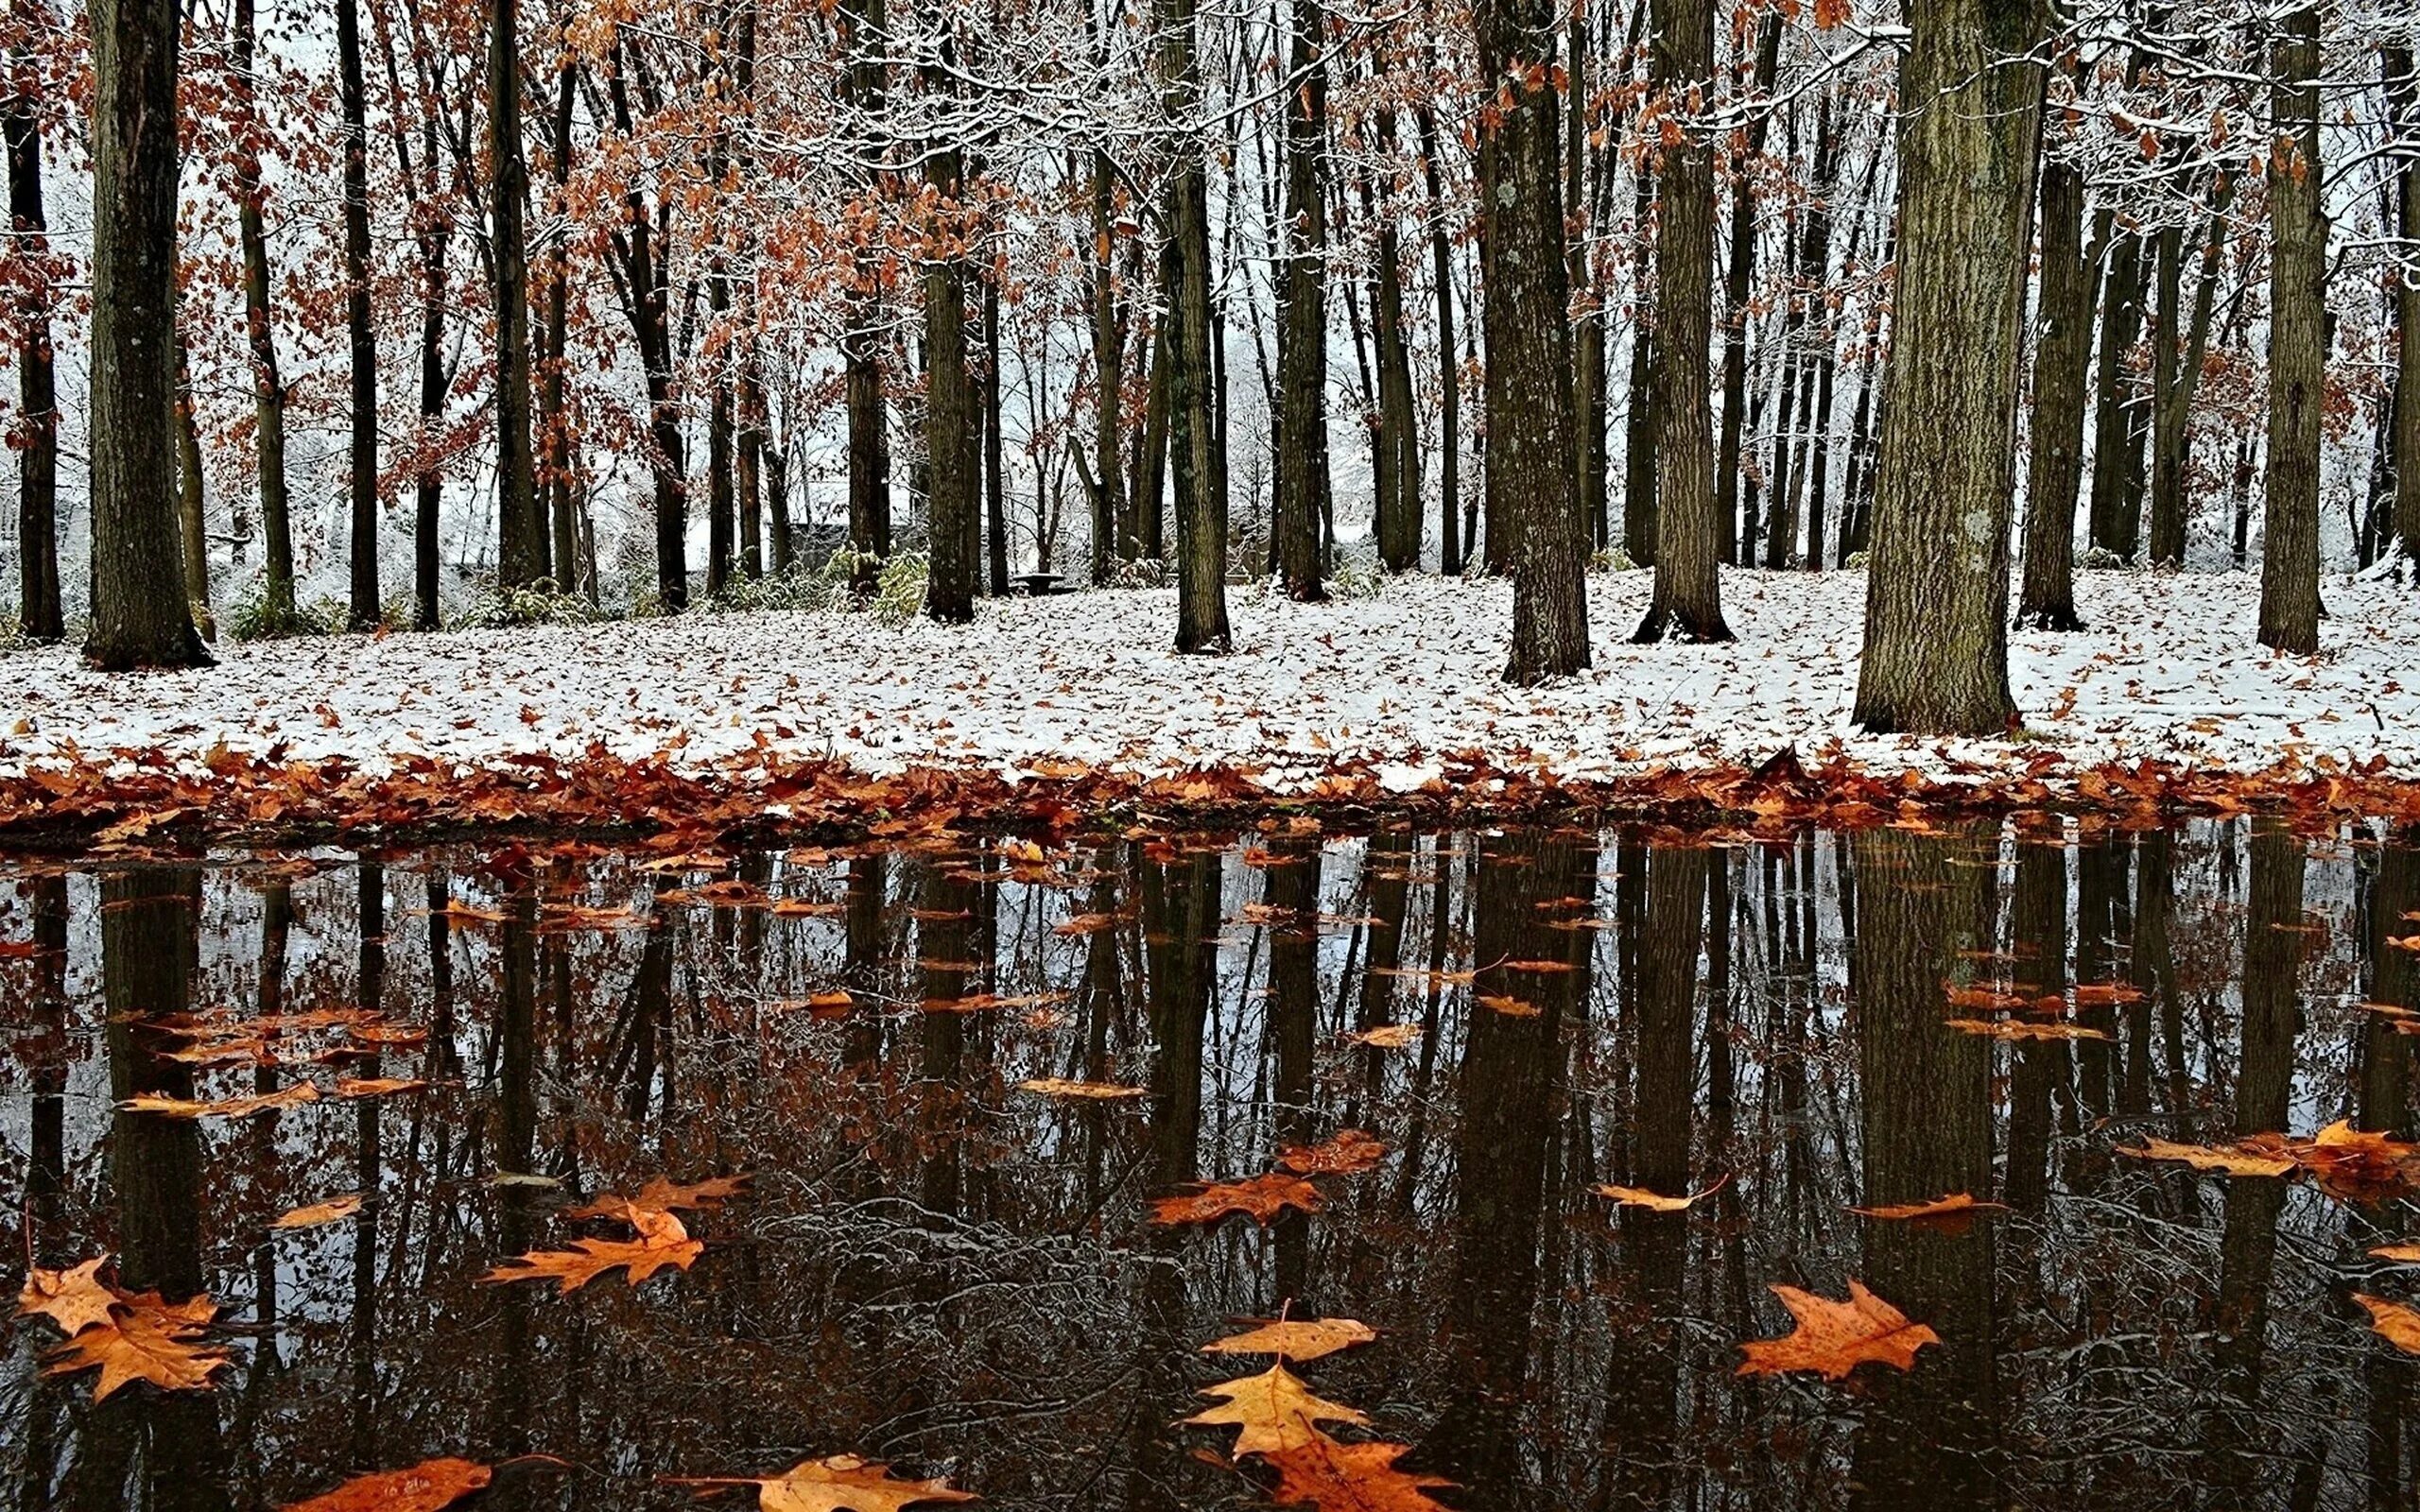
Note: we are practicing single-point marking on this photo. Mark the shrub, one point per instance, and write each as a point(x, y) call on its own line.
point(493, 607)
point(251, 618)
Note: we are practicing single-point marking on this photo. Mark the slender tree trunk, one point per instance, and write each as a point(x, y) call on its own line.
point(864, 29)
point(2297, 340)
point(521, 536)
point(191, 513)
point(1688, 599)
point(949, 409)
point(721, 458)
point(2172, 414)
point(2121, 324)
point(41, 613)
point(1643, 423)
point(553, 474)
point(1151, 450)
point(748, 391)
point(428, 483)
point(1302, 332)
point(1112, 538)
point(364, 612)
point(2403, 97)
point(1936, 607)
point(1196, 437)
point(996, 500)
point(1398, 522)
point(1451, 546)
point(1737, 276)
point(1529, 349)
point(2061, 358)
point(140, 616)
point(268, 389)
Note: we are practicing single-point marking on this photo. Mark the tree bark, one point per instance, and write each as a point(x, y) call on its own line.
point(1196, 437)
point(2297, 341)
point(2121, 324)
point(2403, 98)
point(1398, 507)
point(949, 403)
point(268, 388)
point(1302, 332)
point(1737, 276)
point(995, 502)
point(140, 616)
point(2061, 356)
point(1526, 322)
point(1113, 537)
point(521, 536)
point(1451, 548)
point(1686, 603)
point(364, 611)
point(41, 613)
point(2172, 401)
point(1936, 607)
point(191, 513)
point(1643, 422)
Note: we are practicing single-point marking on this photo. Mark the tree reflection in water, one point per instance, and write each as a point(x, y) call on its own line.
point(940, 1270)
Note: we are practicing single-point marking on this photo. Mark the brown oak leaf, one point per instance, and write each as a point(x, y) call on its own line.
point(1834, 1338)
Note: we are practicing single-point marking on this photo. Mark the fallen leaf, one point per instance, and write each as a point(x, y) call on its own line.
point(75, 1299)
point(2209, 1157)
point(1656, 1201)
point(838, 1483)
point(320, 1213)
point(427, 1487)
point(2019, 1029)
point(1388, 1037)
point(661, 1242)
point(164, 1106)
point(1834, 1338)
point(660, 1195)
point(1293, 1340)
point(1274, 1410)
point(1952, 1214)
point(1340, 1477)
point(1350, 1152)
point(377, 1086)
point(1263, 1197)
point(143, 1339)
point(1098, 1092)
point(2392, 1321)
point(1510, 1008)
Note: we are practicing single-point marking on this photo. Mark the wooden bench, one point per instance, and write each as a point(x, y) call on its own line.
point(1037, 584)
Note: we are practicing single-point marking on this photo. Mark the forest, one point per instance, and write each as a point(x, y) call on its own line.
point(492, 316)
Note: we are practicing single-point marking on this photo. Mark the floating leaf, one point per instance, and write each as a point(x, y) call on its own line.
point(2021, 1029)
point(164, 1106)
point(144, 1338)
point(1274, 1410)
point(427, 1487)
point(660, 1195)
point(377, 1086)
point(1834, 1338)
point(1350, 1152)
point(1510, 1008)
point(1388, 1037)
point(2210, 1157)
point(1098, 1092)
point(1263, 1197)
point(661, 1242)
point(838, 1483)
point(1656, 1201)
point(1293, 1340)
point(1954, 1213)
point(1339, 1477)
point(75, 1299)
point(320, 1213)
point(2392, 1321)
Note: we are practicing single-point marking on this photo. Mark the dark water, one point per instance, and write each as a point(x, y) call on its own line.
point(938, 1269)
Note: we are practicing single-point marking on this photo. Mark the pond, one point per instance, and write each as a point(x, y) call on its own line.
point(932, 1262)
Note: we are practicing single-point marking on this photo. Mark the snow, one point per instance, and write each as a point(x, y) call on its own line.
point(2169, 670)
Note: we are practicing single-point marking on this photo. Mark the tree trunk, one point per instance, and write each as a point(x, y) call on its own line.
point(2297, 341)
point(521, 538)
point(1688, 599)
point(1195, 435)
point(1111, 537)
point(1643, 422)
point(1398, 509)
point(2121, 324)
point(1302, 332)
point(364, 612)
point(722, 458)
point(191, 513)
point(2403, 98)
point(428, 562)
point(2061, 359)
point(1738, 277)
point(1529, 482)
point(2173, 411)
point(1451, 546)
point(40, 611)
point(995, 501)
point(949, 409)
point(268, 389)
point(140, 616)
point(1936, 607)
point(864, 31)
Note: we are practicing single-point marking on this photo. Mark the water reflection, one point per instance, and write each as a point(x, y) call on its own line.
point(938, 1269)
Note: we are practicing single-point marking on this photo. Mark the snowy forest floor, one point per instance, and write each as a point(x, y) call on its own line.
point(1401, 689)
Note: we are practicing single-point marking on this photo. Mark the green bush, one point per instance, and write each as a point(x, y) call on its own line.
point(251, 618)
point(493, 607)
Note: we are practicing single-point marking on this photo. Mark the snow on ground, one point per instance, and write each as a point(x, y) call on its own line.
point(2168, 669)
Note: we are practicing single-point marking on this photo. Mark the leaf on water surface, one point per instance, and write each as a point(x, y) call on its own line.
point(2210, 1157)
point(2392, 1321)
point(838, 1483)
point(1539, 967)
point(1350, 1152)
point(1262, 1197)
point(2349, 1165)
point(1340, 1477)
point(1656, 1201)
point(1834, 1338)
point(320, 1213)
point(660, 1196)
point(1069, 1088)
point(1953, 1214)
point(378, 1086)
point(1291, 1340)
point(1509, 1007)
point(2018, 1030)
point(427, 1487)
point(1987, 998)
point(74, 1299)
point(985, 1002)
point(662, 1242)
point(2094, 993)
point(1388, 1037)
point(1274, 1410)
point(2400, 1254)
point(293, 1096)
point(142, 1338)
point(1087, 924)
point(2404, 942)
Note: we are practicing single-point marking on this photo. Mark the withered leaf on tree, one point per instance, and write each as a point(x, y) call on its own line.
point(1350, 1152)
point(1834, 1338)
point(1272, 1410)
point(661, 1243)
point(1339, 1477)
point(427, 1487)
point(1295, 1340)
point(1262, 1197)
point(838, 1483)
point(144, 1338)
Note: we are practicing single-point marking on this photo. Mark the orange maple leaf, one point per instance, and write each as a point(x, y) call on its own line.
point(1350, 1152)
point(1273, 1410)
point(1262, 1196)
point(144, 1338)
point(1834, 1338)
point(838, 1483)
point(426, 1487)
point(1293, 1340)
point(661, 1242)
point(1339, 1477)
point(75, 1299)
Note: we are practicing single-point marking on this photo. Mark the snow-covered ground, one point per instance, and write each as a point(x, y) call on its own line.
point(2168, 669)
